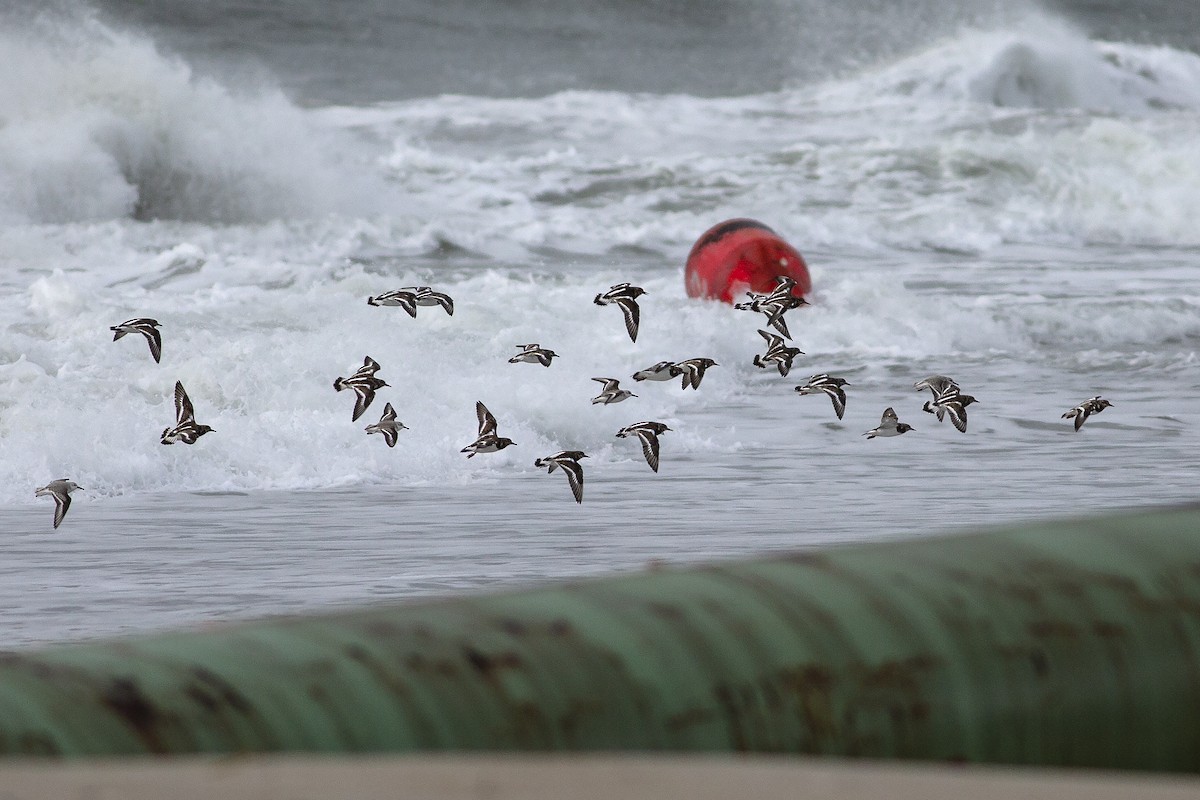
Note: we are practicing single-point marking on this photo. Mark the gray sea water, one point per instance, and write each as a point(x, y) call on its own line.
point(1007, 195)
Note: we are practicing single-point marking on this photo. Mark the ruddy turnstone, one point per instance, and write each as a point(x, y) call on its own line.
point(831, 387)
point(406, 298)
point(612, 392)
point(364, 383)
point(60, 490)
point(951, 402)
point(146, 327)
point(625, 296)
point(186, 429)
point(647, 433)
point(777, 353)
point(388, 425)
point(937, 384)
point(533, 354)
point(1085, 409)
point(775, 305)
point(889, 425)
point(568, 460)
point(693, 370)
point(774, 311)
point(662, 371)
point(488, 440)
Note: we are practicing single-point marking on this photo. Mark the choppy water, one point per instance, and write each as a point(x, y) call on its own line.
point(1011, 201)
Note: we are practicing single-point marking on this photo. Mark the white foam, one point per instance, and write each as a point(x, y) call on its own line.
point(98, 124)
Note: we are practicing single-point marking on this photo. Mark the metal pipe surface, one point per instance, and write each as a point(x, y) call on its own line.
point(1066, 643)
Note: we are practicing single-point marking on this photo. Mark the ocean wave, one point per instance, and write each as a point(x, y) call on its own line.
point(97, 124)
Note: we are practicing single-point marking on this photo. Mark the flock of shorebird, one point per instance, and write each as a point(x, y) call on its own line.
point(948, 399)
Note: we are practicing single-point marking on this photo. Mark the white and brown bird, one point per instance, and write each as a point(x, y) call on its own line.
point(146, 327)
point(953, 403)
point(388, 425)
point(829, 386)
point(186, 429)
point(777, 353)
point(568, 461)
point(364, 385)
point(533, 354)
point(405, 298)
point(612, 392)
point(60, 490)
point(1085, 409)
point(889, 425)
point(692, 370)
point(775, 304)
point(662, 371)
point(937, 384)
point(625, 297)
point(488, 441)
point(647, 433)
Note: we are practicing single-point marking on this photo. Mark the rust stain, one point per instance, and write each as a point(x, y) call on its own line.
point(225, 691)
point(125, 698)
point(488, 664)
point(1109, 630)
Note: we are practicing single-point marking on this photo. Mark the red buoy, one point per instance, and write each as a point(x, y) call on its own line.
point(742, 255)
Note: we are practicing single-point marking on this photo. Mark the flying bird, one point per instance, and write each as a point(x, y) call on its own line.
point(1085, 409)
point(186, 429)
point(568, 461)
point(146, 327)
point(625, 297)
point(364, 385)
point(60, 490)
point(612, 392)
point(533, 354)
point(488, 440)
point(830, 386)
point(388, 425)
point(777, 353)
point(647, 433)
point(889, 425)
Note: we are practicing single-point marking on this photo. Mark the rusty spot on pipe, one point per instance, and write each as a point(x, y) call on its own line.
point(125, 698)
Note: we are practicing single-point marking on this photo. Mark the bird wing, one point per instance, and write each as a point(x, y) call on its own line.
point(444, 300)
point(487, 422)
point(389, 413)
point(1081, 414)
point(610, 384)
point(837, 396)
point(649, 440)
point(776, 319)
point(62, 501)
point(154, 339)
point(958, 415)
point(632, 313)
point(363, 395)
point(889, 416)
point(390, 435)
point(773, 341)
point(370, 366)
point(574, 473)
point(183, 406)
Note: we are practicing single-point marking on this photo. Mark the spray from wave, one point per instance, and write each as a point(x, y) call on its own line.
point(97, 124)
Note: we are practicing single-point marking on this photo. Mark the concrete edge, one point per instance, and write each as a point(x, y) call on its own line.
point(580, 777)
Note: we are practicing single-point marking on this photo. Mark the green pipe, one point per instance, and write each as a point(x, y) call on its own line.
point(1071, 643)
